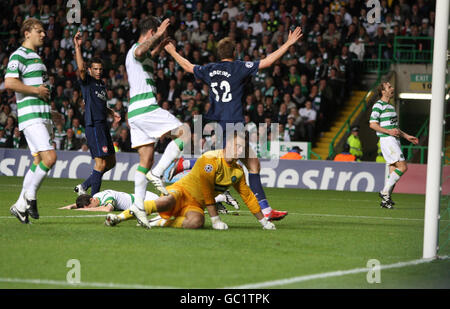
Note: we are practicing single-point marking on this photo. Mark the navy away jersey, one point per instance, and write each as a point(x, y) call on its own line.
point(226, 86)
point(94, 95)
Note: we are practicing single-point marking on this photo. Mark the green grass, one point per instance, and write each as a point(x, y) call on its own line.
point(325, 231)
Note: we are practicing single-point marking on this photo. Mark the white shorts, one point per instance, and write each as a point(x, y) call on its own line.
point(39, 137)
point(150, 196)
point(391, 150)
point(148, 128)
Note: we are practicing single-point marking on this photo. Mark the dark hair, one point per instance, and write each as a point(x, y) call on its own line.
point(346, 148)
point(95, 60)
point(147, 24)
point(83, 200)
point(378, 93)
point(225, 49)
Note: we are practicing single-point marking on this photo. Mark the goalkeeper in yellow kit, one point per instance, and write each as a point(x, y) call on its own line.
point(211, 175)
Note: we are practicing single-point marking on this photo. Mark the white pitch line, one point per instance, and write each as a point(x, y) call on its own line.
point(338, 273)
point(53, 217)
point(247, 286)
point(109, 285)
point(233, 211)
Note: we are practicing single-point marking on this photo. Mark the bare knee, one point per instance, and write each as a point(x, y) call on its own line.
point(49, 158)
point(402, 166)
point(165, 203)
point(194, 222)
point(253, 165)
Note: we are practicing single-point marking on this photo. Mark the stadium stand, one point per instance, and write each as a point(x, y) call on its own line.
point(338, 47)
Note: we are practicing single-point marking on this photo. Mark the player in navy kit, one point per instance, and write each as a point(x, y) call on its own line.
point(226, 82)
point(97, 132)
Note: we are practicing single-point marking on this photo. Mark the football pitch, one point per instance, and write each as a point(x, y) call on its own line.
point(326, 241)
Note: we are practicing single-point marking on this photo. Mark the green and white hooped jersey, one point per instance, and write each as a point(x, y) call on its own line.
point(385, 114)
point(26, 65)
point(142, 85)
point(119, 200)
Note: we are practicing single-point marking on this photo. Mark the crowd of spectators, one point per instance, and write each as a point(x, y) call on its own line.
point(302, 92)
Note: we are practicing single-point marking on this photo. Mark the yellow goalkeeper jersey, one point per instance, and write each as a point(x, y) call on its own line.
point(212, 175)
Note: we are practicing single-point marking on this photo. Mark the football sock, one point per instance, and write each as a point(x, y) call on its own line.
point(96, 181)
point(39, 175)
point(26, 183)
point(125, 215)
point(88, 182)
point(177, 222)
point(172, 151)
point(256, 186)
point(140, 186)
point(150, 207)
point(188, 164)
point(391, 181)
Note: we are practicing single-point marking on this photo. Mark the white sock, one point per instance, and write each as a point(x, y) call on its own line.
point(266, 210)
point(35, 182)
point(391, 181)
point(171, 153)
point(26, 183)
point(140, 188)
point(186, 164)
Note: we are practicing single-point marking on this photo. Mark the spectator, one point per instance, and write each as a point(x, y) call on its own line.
point(124, 140)
point(293, 154)
point(5, 142)
point(345, 155)
point(355, 143)
point(70, 142)
point(309, 116)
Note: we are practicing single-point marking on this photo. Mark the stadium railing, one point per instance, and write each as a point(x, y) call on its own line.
point(362, 106)
point(423, 132)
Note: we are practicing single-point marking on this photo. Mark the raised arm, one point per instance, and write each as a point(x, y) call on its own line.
point(144, 47)
point(183, 62)
point(273, 57)
point(77, 41)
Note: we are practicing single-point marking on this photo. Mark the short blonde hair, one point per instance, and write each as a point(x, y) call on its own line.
point(29, 24)
point(225, 48)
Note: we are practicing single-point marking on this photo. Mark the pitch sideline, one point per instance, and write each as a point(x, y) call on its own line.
point(338, 273)
point(259, 285)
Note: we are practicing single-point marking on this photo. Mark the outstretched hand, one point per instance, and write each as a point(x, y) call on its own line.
point(170, 47)
point(77, 40)
point(294, 36)
point(412, 139)
point(162, 28)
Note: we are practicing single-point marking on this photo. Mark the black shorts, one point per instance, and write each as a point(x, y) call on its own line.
point(99, 140)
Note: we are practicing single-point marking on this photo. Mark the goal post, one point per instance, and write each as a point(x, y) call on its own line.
point(434, 165)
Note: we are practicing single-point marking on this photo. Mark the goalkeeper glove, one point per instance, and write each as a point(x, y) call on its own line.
point(217, 224)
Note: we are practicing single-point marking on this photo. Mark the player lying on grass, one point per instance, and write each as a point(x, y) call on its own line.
point(107, 200)
point(111, 200)
point(213, 173)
